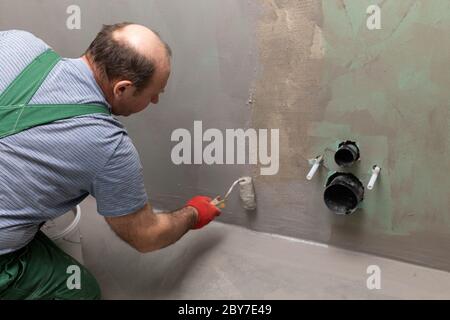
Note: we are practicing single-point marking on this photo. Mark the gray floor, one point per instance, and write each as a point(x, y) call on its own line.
point(227, 262)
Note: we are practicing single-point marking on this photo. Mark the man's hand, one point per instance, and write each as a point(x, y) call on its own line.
point(205, 209)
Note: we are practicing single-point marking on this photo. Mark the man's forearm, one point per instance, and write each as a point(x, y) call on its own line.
point(147, 231)
point(173, 225)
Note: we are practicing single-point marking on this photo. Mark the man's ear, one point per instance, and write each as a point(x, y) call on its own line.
point(121, 87)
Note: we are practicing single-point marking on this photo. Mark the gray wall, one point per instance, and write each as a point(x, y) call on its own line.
point(312, 70)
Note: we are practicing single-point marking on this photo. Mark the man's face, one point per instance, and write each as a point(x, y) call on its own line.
point(127, 100)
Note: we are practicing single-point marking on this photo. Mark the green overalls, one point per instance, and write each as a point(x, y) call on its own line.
point(40, 270)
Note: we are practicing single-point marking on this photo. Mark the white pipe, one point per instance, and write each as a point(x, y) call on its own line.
point(375, 172)
point(314, 168)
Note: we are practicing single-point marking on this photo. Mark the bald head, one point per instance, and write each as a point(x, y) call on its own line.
point(129, 58)
point(145, 41)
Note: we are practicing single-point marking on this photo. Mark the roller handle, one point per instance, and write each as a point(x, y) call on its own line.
point(218, 202)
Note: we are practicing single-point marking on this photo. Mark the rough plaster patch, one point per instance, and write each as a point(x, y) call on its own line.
point(287, 88)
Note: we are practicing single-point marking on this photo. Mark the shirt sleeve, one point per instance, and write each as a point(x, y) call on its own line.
point(119, 187)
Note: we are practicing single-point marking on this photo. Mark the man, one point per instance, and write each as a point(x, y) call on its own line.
point(59, 143)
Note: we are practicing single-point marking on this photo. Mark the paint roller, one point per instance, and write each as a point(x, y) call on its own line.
point(246, 193)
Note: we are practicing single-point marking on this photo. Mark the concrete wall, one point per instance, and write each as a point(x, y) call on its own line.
point(314, 71)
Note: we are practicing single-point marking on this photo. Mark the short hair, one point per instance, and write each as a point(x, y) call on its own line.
point(116, 59)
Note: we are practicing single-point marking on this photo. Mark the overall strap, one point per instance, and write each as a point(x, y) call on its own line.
point(14, 119)
point(23, 88)
point(17, 115)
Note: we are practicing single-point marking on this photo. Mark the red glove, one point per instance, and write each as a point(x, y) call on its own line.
point(206, 211)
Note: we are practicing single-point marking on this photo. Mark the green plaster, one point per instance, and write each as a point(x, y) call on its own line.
point(389, 92)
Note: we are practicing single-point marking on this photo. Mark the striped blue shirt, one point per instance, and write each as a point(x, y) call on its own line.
point(47, 170)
